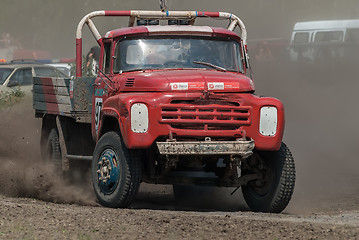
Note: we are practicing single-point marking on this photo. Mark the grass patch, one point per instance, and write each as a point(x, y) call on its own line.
point(10, 98)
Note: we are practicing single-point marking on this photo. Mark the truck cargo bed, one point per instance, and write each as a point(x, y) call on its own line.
point(63, 96)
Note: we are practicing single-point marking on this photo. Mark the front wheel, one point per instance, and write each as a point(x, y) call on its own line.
point(116, 171)
point(274, 190)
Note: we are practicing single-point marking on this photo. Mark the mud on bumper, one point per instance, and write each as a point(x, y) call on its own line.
point(240, 147)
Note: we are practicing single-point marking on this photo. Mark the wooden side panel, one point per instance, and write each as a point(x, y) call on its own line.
point(65, 97)
point(52, 95)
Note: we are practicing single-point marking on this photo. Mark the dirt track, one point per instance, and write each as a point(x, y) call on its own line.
point(33, 219)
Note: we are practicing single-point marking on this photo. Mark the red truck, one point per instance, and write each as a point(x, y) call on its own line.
point(171, 104)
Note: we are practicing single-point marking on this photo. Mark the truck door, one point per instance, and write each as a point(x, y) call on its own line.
point(100, 88)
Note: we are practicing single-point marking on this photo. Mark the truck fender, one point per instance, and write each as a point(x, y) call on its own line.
point(109, 121)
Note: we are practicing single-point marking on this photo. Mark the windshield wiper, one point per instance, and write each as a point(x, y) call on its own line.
point(211, 65)
point(135, 70)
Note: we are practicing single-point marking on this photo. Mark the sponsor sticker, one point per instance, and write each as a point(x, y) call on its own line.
point(179, 86)
point(222, 85)
point(187, 86)
point(216, 86)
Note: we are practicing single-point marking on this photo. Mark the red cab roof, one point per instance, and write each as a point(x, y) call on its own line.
point(171, 30)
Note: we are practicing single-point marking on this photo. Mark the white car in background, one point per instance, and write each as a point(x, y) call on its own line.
point(63, 67)
point(315, 41)
point(14, 76)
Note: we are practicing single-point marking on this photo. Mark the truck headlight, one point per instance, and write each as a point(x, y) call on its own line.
point(139, 118)
point(268, 121)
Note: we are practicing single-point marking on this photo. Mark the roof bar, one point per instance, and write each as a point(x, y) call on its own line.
point(235, 21)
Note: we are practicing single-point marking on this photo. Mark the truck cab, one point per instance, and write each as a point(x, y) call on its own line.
point(172, 104)
point(191, 79)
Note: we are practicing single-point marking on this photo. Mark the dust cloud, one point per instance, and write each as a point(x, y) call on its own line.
point(22, 171)
point(320, 101)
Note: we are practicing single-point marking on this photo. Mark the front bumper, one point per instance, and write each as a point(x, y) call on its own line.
point(240, 147)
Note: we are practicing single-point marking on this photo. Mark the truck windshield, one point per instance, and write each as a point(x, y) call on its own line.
point(4, 73)
point(178, 53)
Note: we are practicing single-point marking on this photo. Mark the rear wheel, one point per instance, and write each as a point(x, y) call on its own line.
point(116, 171)
point(274, 190)
point(53, 151)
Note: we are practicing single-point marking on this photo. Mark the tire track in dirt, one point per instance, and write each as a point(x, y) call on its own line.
point(30, 218)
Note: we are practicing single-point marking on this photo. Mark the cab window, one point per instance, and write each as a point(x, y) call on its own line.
point(178, 53)
point(107, 57)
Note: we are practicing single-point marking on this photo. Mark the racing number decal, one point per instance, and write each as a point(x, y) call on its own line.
point(98, 107)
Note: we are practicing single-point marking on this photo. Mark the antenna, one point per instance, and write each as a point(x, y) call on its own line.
point(163, 5)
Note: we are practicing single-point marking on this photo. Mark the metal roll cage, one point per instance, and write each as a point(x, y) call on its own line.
point(157, 15)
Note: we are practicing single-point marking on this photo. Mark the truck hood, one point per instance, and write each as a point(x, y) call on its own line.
point(184, 80)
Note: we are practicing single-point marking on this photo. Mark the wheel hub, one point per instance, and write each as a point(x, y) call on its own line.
point(108, 171)
point(105, 170)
